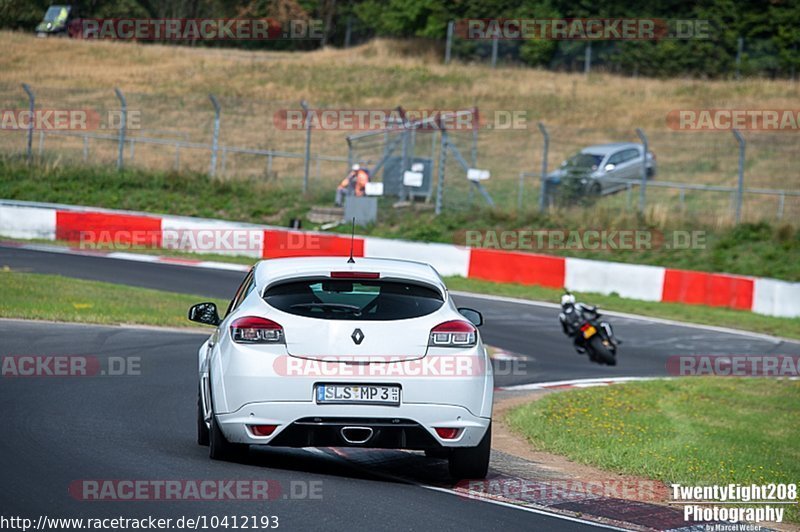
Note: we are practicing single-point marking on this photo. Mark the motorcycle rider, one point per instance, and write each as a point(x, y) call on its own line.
point(572, 315)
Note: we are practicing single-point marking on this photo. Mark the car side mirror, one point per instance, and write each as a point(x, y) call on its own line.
point(475, 317)
point(609, 167)
point(204, 313)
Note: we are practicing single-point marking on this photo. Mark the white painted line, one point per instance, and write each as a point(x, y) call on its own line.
point(138, 257)
point(224, 266)
point(132, 326)
point(450, 491)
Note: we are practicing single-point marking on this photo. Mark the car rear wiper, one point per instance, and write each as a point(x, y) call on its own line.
point(352, 309)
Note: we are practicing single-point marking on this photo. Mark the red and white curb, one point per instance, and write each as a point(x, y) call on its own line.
point(576, 383)
point(29, 220)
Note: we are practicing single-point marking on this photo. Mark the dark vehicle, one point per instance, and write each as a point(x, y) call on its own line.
point(599, 170)
point(57, 21)
point(590, 335)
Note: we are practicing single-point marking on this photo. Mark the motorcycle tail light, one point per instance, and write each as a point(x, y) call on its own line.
point(454, 333)
point(255, 330)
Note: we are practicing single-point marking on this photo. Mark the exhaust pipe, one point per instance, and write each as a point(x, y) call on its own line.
point(356, 435)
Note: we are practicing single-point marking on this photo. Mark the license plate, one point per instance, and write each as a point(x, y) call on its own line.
point(589, 332)
point(380, 394)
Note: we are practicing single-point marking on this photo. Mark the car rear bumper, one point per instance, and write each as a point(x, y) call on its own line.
point(307, 424)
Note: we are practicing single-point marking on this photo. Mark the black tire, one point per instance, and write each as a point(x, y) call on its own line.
point(437, 453)
point(202, 428)
point(595, 190)
point(602, 353)
point(472, 462)
point(220, 448)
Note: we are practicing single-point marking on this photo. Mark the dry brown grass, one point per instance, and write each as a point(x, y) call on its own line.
point(170, 85)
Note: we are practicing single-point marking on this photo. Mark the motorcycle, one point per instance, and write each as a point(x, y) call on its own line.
point(590, 334)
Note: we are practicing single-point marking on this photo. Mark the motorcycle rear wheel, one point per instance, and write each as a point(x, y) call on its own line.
point(602, 353)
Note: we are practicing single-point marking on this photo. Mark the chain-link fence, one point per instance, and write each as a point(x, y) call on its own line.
point(172, 133)
point(696, 173)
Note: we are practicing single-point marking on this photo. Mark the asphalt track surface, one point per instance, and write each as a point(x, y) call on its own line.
point(59, 430)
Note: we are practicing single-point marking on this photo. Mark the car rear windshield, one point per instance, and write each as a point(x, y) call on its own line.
point(354, 299)
point(585, 160)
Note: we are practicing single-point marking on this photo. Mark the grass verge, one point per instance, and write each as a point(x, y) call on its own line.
point(694, 431)
point(52, 297)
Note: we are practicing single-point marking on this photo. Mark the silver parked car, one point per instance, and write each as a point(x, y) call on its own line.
point(599, 168)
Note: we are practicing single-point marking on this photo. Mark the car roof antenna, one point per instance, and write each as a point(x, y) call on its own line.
point(352, 238)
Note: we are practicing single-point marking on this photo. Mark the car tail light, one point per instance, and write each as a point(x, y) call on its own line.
point(455, 333)
point(355, 275)
point(262, 430)
point(255, 330)
point(447, 433)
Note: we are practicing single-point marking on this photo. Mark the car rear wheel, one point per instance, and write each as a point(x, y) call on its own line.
point(472, 462)
point(437, 453)
point(220, 448)
point(202, 428)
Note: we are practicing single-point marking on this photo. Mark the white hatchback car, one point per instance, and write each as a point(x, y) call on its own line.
point(325, 352)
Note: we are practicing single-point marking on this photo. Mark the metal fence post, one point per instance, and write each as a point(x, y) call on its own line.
point(348, 31)
point(643, 187)
point(739, 50)
point(587, 58)
point(442, 161)
point(215, 138)
point(31, 102)
point(449, 46)
point(474, 146)
point(543, 184)
point(307, 156)
point(495, 42)
point(740, 189)
point(122, 125)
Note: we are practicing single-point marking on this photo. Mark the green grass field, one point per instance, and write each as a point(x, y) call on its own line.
point(693, 431)
point(56, 298)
